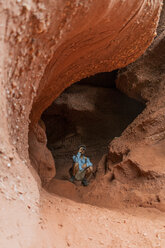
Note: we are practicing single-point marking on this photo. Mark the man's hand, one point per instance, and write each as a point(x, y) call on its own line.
point(81, 150)
point(84, 166)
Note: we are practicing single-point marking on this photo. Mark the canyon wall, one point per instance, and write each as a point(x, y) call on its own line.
point(45, 47)
point(144, 80)
point(136, 158)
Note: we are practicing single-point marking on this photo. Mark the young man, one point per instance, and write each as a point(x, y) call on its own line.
point(82, 167)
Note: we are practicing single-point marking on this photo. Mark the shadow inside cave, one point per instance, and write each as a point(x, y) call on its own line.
point(90, 112)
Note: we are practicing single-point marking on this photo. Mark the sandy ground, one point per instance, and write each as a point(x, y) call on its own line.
point(65, 223)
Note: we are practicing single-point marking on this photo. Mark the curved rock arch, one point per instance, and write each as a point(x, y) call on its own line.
point(105, 44)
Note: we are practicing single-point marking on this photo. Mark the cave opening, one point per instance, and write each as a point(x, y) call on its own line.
point(91, 112)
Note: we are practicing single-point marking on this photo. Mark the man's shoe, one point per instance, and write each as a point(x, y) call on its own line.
point(85, 182)
point(72, 179)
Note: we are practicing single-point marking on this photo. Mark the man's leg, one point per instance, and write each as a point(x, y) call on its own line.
point(89, 171)
point(87, 175)
point(75, 169)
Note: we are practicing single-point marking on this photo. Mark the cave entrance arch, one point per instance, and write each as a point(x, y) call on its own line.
point(90, 112)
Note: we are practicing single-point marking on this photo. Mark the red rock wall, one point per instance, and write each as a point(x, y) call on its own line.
point(46, 46)
point(116, 35)
point(144, 80)
point(51, 45)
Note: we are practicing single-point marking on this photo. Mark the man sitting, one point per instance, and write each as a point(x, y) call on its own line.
point(82, 167)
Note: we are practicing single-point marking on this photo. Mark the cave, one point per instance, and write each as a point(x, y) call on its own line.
point(91, 112)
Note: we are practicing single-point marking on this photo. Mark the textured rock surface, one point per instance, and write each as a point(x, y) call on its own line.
point(145, 80)
point(138, 153)
point(40, 157)
point(117, 34)
point(46, 46)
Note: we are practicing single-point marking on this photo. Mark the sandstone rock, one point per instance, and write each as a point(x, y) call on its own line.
point(46, 46)
point(64, 188)
point(144, 80)
point(41, 158)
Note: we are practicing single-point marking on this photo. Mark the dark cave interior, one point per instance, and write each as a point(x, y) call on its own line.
point(90, 112)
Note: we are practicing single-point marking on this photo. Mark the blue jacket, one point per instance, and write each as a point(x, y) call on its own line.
point(81, 161)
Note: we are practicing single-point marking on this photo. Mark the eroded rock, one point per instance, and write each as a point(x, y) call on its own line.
point(141, 144)
point(41, 158)
point(45, 47)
